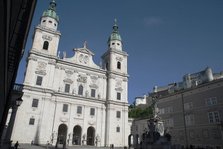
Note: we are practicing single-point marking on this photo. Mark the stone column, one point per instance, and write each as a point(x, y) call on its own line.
point(7, 140)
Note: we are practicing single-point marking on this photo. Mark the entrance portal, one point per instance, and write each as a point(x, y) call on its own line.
point(77, 135)
point(62, 134)
point(90, 135)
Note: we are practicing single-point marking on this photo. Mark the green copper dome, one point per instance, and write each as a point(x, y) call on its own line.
point(115, 34)
point(51, 11)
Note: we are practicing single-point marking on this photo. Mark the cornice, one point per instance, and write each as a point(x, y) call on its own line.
point(111, 102)
point(62, 94)
point(86, 68)
point(48, 30)
point(110, 50)
point(112, 74)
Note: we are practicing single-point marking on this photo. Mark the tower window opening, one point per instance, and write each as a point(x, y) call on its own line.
point(65, 107)
point(45, 45)
point(118, 44)
point(92, 92)
point(67, 88)
point(50, 21)
point(118, 97)
point(55, 24)
point(39, 80)
point(44, 20)
point(31, 121)
point(118, 65)
point(80, 90)
point(107, 67)
point(113, 43)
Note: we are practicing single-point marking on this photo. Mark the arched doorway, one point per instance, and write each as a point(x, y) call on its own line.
point(90, 135)
point(77, 135)
point(130, 140)
point(137, 141)
point(62, 134)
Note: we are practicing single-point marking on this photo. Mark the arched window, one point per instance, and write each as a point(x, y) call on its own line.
point(45, 45)
point(119, 65)
point(107, 66)
point(80, 90)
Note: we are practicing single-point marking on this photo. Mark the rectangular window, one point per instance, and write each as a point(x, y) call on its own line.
point(161, 111)
point(79, 109)
point(92, 111)
point(168, 122)
point(188, 106)
point(65, 107)
point(35, 103)
point(211, 101)
point(118, 114)
point(39, 80)
point(189, 119)
point(67, 88)
point(92, 92)
point(118, 129)
point(118, 96)
point(214, 117)
point(31, 121)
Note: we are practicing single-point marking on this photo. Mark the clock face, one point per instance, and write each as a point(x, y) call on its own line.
point(86, 59)
point(81, 58)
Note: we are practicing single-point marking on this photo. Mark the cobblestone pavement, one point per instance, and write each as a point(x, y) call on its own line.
point(28, 146)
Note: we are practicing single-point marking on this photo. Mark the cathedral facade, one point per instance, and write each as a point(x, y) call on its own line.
point(73, 100)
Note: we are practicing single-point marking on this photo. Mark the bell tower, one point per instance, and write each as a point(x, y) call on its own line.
point(115, 63)
point(46, 36)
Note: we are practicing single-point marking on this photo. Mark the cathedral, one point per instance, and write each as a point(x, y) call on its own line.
point(72, 100)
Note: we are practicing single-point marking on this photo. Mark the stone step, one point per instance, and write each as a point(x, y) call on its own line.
point(29, 146)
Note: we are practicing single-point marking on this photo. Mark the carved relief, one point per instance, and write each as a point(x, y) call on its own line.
point(93, 86)
point(91, 123)
point(118, 83)
point(41, 68)
point(32, 58)
point(94, 79)
point(51, 62)
point(41, 72)
point(68, 73)
point(47, 37)
point(119, 58)
point(82, 79)
point(67, 80)
point(63, 119)
point(119, 89)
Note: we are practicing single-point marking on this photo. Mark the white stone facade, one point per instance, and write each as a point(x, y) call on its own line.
point(61, 93)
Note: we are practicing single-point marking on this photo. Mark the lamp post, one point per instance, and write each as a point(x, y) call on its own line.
point(15, 104)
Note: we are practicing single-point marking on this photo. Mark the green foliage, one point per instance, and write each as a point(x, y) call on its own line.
point(137, 112)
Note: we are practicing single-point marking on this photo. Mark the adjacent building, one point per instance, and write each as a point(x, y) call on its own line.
point(71, 99)
point(15, 20)
point(192, 110)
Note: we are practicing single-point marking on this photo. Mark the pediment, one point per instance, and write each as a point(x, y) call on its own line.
point(84, 50)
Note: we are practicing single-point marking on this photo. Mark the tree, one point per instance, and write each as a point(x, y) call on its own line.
point(137, 112)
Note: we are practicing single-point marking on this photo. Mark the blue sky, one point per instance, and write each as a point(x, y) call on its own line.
point(164, 39)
